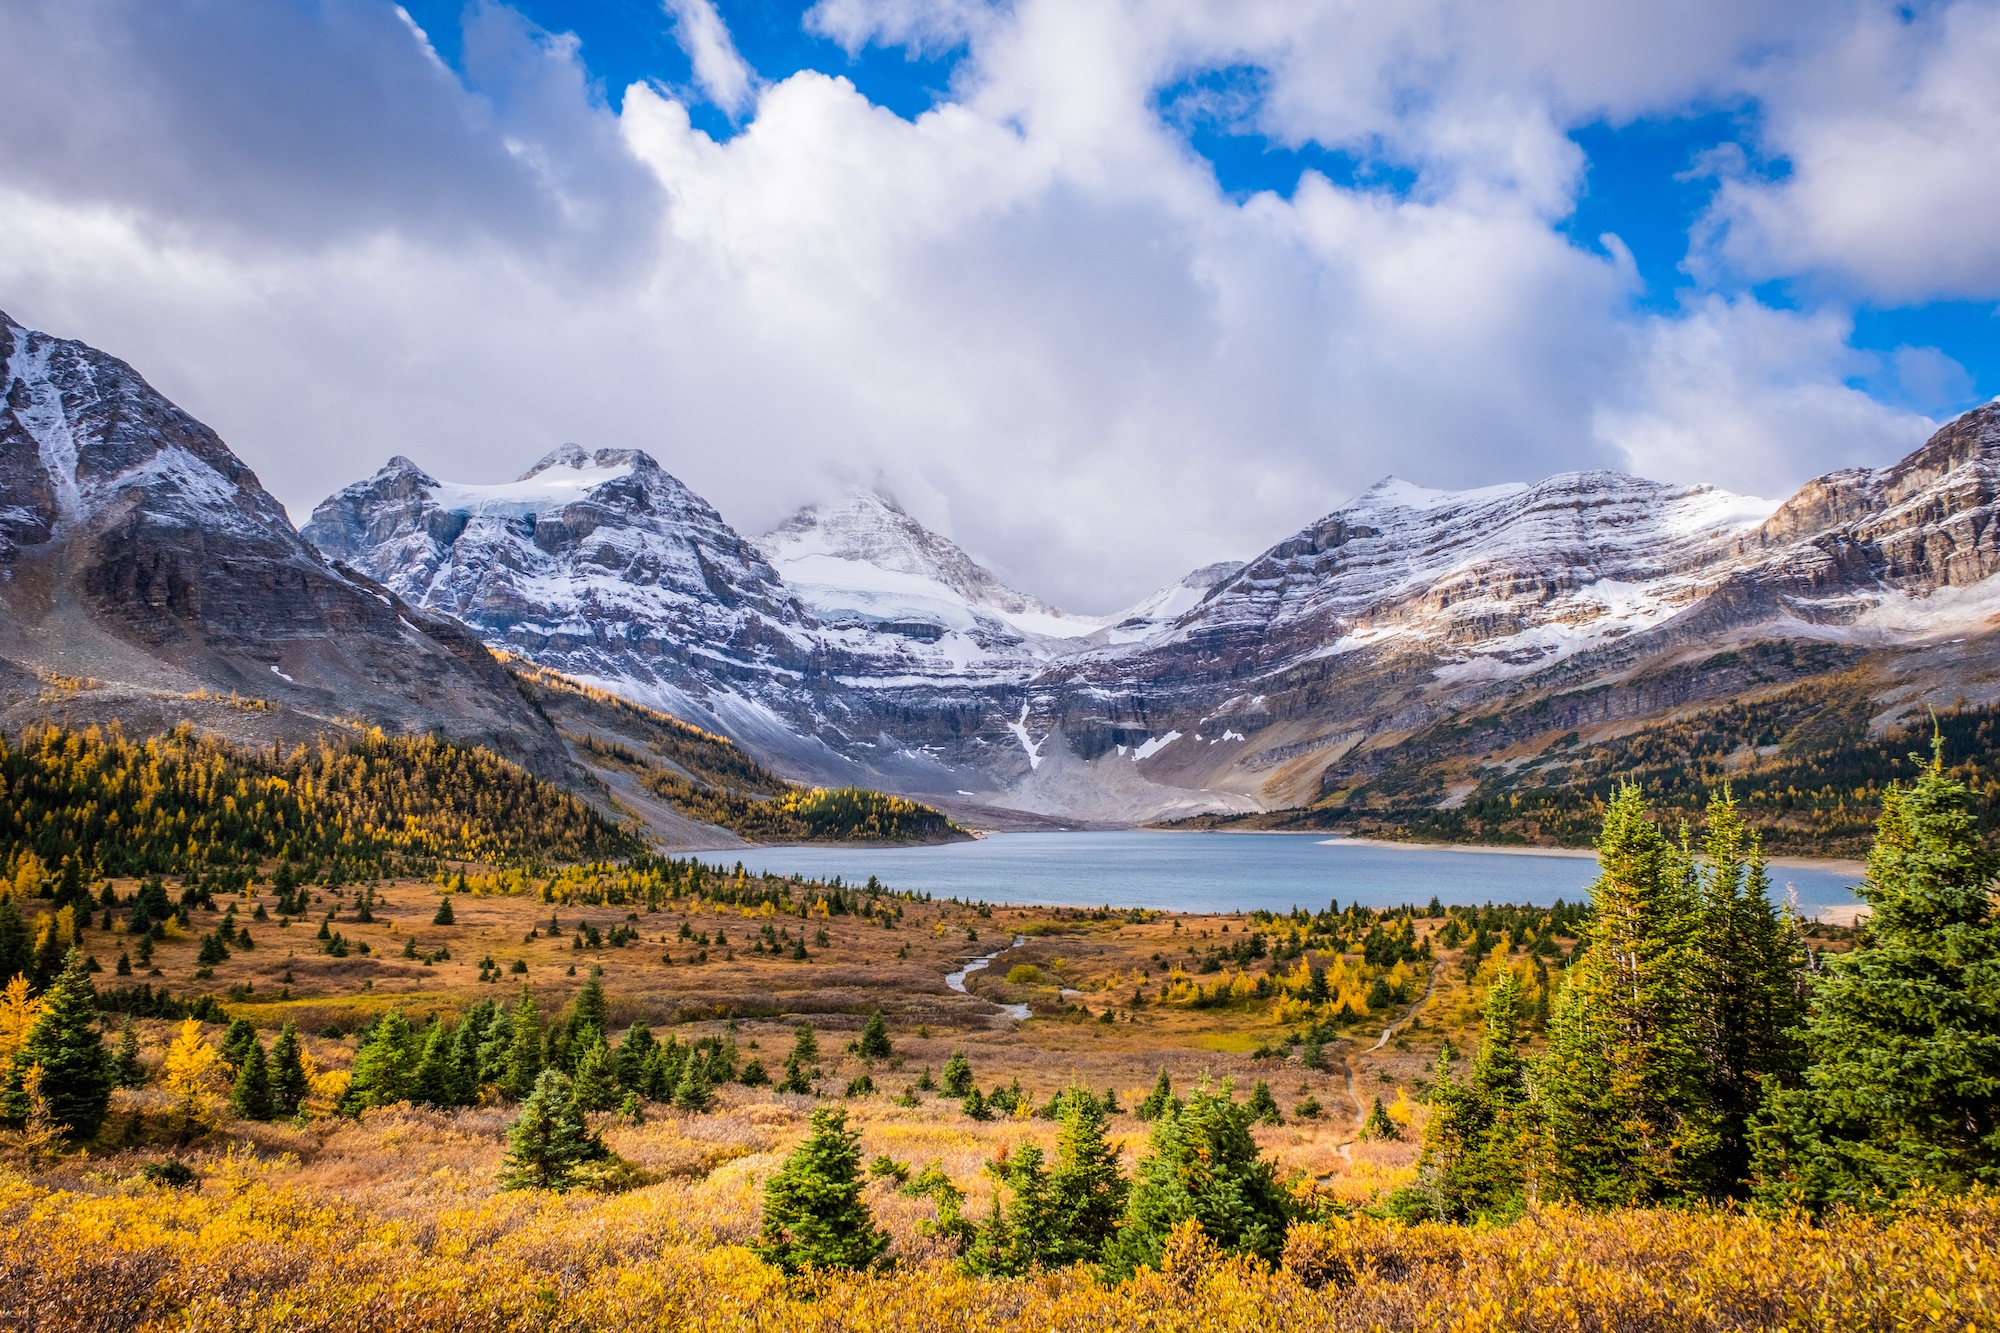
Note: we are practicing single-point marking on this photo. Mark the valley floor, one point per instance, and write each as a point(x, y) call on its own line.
point(394, 1221)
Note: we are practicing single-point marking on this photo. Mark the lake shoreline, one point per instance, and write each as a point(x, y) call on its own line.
point(1211, 872)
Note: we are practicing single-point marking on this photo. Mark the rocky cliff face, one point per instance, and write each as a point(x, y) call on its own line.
point(145, 574)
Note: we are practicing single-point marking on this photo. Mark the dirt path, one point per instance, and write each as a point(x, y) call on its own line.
point(1347, 1066)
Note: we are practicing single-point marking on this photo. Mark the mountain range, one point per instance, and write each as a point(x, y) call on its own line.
point(1415, 640)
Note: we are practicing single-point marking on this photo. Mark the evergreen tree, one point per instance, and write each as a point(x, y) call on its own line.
point(1378, 1126)
point(125, 1067)
point(1025, 1235)
point(289, 1082)
point(957, 1080)
point(1087, 1188)
point(251, 1097)
point(875, 1039)
point(435, 1082)
point(466, 1066)
point(237, 1040)
point(587, 1018)
point(1263, 1107)
point(1750, 994)
point(524, 1057)
point(1623, 1092)
point(694, 1092)
point(814, 1215)
point(77, 1072)
point(47, 964)
point(797, 1080)
point(1202, 1164)
point(444, 916)
point(1470, 1166)
point(1902, 1092)
point(1161, 1100)
point(805, 1044)
point(386, 1065)
point(550, 1140)
point(633, 1051)
point(596, 1086)
point(17, 950)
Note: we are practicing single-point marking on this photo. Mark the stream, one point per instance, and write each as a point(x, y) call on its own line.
point(956, 980)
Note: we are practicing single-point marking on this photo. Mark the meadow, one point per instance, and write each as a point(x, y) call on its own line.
point(182, 1209)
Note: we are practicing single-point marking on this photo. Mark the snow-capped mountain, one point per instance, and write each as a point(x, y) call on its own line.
point(144, 568)
point(140, 557)
point(853, 643)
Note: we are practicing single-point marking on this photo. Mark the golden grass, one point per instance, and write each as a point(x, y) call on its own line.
point(394, 1221)
point(301, 1238)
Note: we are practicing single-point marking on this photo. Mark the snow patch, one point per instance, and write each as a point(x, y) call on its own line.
point(543, 492)
point(1154, 745)
point(1034, 748)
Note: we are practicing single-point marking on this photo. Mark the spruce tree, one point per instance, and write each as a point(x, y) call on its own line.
point(1161, 1100)
point(633, 1051)
point(1623, 1094)
point(957, 1080)
point(467, 1064)
point(1087, 1189)
point(587, 1019)
point(1750, 993)
point(435, 1081)
point(596, 1085)
point(524, 1057)
point(444, 916)
point(1202, 1164)
point(77, 1073)
point(694, 1092)
point(237, 1040)
point(1902, 1091)
point(875, 1039)
point(1025, 1235)
point(550, 1140)
point(814, 1215)
point(289, 1083)
point(1263, 1106)
point(251, 1097)
point(385, 1067)
point(17, 949)
point(125, 1066)
point(1378, 1126)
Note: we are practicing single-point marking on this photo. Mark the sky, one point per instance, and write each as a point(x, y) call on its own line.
point(1104, 290)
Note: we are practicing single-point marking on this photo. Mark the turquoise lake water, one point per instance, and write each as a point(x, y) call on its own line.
point(1221, 872)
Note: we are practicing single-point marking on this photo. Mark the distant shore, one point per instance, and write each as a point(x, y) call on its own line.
point(1835, 865)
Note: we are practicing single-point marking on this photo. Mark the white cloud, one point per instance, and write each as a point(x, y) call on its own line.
point(1752, 399)
point(1891, 134)
point(1030, 310)
point(722, 73)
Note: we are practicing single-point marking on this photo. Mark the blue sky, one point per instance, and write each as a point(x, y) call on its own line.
point(1644, 181)
point(1105, 289)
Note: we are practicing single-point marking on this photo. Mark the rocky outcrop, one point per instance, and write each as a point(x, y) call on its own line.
point(143, 565)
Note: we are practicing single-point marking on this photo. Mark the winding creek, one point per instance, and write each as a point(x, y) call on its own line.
point(956, 980)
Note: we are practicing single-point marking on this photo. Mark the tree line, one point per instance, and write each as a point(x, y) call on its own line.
point(76, 805)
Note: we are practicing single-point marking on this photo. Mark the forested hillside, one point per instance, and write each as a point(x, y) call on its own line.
point(1806, 773)
point(183, 803)
point(708, 778)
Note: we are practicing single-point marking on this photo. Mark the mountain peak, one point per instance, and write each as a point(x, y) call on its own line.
point(867, 527)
